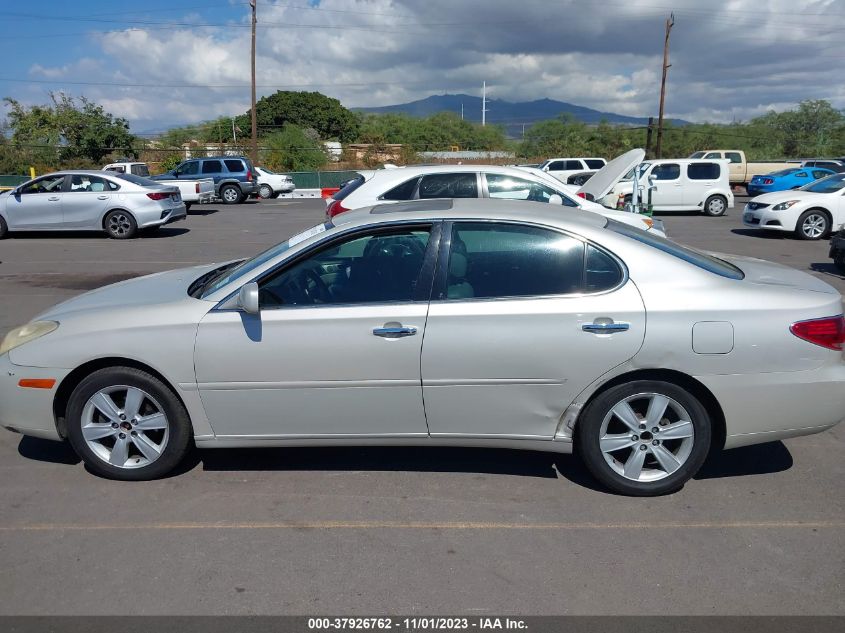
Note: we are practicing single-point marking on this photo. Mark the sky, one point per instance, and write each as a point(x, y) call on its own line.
point(160, 63)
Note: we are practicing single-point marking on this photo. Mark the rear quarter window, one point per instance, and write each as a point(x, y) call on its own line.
point(595, 164)
point(704, 171)
point(405, 191)
point(234, 166)
point(212, 167)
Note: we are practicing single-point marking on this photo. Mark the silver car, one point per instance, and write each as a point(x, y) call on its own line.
point(83, 200)
point(433, 323)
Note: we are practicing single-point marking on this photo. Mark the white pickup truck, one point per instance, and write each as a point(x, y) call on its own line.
point(197, 191)
point(741, 171)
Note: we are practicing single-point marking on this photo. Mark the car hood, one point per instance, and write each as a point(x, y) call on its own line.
point(605, 178)
point(782, 196)
point(156, 289)
point(760, 271)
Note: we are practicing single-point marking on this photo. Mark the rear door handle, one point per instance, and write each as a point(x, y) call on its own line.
point(605, 326)
point(102, 197)
point(394, 331)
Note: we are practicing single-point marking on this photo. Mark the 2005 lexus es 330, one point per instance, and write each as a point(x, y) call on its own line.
point(440, 322)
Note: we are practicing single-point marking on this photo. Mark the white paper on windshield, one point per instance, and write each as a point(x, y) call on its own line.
point(301, 237)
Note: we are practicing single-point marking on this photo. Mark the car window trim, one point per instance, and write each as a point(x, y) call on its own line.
point(426, 278)
point(441, 283)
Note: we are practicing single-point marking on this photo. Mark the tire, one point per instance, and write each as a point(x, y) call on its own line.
point(4, 228)
point(231, 194)
point(163, 444)
point(812, 225)
point(839, 262)
point(664, 465)
point(716, 206)
point(265, 192)
point(120, 225)
point(188, 206)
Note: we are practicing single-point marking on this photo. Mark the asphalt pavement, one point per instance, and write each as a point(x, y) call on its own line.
point(761, 530)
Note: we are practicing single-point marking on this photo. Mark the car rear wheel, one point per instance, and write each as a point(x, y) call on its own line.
point(265, 191)
point(4, 228)
point(839, 262)
point(126, 424)
point(120, 225)
point(644, 438)
point(715, 206)
point(812, 225)
point(230, 194)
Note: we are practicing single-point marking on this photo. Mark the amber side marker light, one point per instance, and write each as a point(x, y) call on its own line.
point(37, 383)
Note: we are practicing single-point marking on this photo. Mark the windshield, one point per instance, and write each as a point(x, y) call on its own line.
point(690, 255)
point(831, 184)
point(697, 155)
point(226, 276)
point(267, 171)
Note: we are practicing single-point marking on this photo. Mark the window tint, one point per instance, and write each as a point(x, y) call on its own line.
point(511, 188)
point(556, 165)
point(234, 165)
point(505, 260)
point(448, 186)
point(713, 155)
point(703, 171)
point(595, 163)
point(820, 174)
point(734, 157)
point(119, 168)
point(376, 267)
point(405, 191)
point(602, 272)
point(696, 258)
point(85, 183)
point(801, 174)
point(669, 171)
point(47, 184)
point(189, 169)
point(140, 170)
point(212, 167)
point(574, 164)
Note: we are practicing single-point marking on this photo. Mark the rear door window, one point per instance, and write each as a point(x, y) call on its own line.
point(212, 167)
point(463, 185)
point(734, 157)
point(575, 165)
point(703, 171)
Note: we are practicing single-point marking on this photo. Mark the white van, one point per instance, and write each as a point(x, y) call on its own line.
point(679, 184)
point(562, 168)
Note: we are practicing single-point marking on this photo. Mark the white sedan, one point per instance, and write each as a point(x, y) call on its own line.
point(271, 184)
point(810, 212)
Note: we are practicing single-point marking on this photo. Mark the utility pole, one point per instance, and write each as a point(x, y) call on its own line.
point(648, 137)
point(252, 4)
point(484, 103)
point(234, 134)
point(670, 22)
point(462, 110)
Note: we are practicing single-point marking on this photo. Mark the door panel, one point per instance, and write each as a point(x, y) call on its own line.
point(38, 206)
point(511, 367)
point(311, 371)
point(669, 193)
point(86, 201)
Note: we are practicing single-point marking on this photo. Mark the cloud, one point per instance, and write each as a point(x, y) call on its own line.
point(730, 60)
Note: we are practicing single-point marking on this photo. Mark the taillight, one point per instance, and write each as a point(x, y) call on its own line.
point(581, 194)
point(828, 332)
point(767, 181)
point(248, 174)
point(197, 187)
point(158, 196)
point(335, 208)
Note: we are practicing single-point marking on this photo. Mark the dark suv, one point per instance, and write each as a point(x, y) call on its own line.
point(234, 176)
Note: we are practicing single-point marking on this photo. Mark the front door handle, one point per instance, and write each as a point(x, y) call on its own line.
point(605, 326)
point(391, 330)
point(53, 198)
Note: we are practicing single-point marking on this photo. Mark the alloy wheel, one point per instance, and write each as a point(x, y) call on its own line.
point(230, 195)
point(814, 226)
point(646, 437)
point(119, 224)
point(125, 426)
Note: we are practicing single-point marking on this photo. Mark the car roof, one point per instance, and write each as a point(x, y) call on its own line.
point(470, 209)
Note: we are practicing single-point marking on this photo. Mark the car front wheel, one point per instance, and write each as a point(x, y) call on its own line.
point(644, 438)
point(126, 424)
point(812, 225)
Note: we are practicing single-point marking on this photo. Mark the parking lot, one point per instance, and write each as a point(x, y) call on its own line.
point(761, 530)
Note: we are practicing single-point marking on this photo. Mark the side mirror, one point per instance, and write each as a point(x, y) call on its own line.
point(651, 184)
point(248, 298)
point(555, 199)
point(546, 168)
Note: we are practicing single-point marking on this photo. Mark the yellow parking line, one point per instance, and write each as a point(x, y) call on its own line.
point(398, 525)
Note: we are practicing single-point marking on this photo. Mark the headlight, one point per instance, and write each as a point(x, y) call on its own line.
point(784, 205)
point(26, 333)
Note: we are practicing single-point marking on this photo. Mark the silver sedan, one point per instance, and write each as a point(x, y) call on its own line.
point(440, 322)
point(119, 204)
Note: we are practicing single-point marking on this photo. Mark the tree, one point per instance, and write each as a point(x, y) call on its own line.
point(69, 130)
point(307, 110)
point(815, 128)
point(434, 133)
point(294, 149)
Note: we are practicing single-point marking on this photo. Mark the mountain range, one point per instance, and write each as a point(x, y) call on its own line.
point(512, 115)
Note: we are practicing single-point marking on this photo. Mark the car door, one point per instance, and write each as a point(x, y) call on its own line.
point(87, 199)
point(212, 168)
point(522, 319)
point(188, 170)
point(335, 350)
point(555, 168)
point(37, 204)
point(668, 192)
